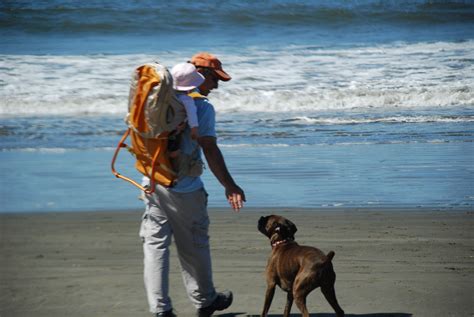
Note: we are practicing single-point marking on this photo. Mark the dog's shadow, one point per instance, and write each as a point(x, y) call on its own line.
point(324, 315)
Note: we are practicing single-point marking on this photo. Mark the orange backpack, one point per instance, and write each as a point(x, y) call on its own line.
point(153, 112)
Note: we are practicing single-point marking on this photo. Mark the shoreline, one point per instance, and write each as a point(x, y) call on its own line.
point(318, 209)
point(389, 262)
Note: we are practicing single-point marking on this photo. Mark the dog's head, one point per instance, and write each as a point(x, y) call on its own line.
point(277, 228)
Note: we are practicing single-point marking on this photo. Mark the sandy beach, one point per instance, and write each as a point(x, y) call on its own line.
point(388, 262)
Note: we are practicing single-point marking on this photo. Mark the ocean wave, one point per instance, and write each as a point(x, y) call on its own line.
point(345, 99)
point(293, 78)
point(247, 145)
point(256, 101)
point(55, 150)
point(238, 146)
point(250, 103)
point(390, 119)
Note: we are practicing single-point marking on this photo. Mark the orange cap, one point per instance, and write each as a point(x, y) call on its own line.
point(204, 59)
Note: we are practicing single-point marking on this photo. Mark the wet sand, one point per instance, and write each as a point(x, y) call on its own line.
point(388, 262)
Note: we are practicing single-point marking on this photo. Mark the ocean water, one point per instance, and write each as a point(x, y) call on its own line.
point(332, 103)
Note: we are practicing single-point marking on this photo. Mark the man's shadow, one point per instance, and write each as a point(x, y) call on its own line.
point(324, 315)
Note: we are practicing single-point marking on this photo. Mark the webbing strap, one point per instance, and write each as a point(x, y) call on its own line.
point(120, 145)
point(196, 94)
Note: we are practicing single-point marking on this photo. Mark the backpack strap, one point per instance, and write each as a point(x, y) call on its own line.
point(196, 95)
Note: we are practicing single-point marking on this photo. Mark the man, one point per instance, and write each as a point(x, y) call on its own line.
point(181, 211)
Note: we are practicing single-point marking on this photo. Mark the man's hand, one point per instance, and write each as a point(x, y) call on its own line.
point(235, 196)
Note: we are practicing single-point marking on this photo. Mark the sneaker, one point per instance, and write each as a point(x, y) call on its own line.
point(223, 301)
point(168, 313)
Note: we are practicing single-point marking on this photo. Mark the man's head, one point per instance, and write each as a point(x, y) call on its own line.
point(211, 68)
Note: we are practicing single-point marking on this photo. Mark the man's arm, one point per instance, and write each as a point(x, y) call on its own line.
point(235, 195)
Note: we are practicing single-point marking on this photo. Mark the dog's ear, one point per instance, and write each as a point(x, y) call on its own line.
point(291, 228)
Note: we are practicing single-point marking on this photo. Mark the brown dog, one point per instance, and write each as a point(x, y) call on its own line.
point(296, 269)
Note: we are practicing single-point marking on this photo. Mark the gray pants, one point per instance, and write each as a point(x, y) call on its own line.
point(183, 215)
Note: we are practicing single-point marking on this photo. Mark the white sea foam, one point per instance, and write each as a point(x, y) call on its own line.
point(295, 78)
point(400, 119)
point(40, 150)
point(247, 145)
point(55, 150)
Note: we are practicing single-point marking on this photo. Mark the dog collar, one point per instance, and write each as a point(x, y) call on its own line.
point(277, 243)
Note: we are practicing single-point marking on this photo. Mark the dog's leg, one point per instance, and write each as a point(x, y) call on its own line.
point(302, 286)
point(330, 295)
point(268, 298)
point(289, 302)
point(300, 302)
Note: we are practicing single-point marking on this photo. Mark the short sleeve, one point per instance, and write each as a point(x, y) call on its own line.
point(206, 118)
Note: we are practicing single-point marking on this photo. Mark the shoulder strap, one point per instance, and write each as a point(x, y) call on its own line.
point(196, 95)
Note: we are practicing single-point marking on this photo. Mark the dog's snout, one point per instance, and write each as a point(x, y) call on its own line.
point(261, 224)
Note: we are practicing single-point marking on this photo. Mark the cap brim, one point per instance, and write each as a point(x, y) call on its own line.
point(222, 75)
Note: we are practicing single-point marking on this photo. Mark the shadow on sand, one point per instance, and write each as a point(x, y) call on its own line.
point(323, 315)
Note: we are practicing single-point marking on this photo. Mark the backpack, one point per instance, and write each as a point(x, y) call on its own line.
point(153, 113)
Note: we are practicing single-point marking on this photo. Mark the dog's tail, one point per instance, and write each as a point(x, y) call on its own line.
point(329, 256)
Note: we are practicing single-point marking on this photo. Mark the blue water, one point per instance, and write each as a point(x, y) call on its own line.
point(332, 103)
